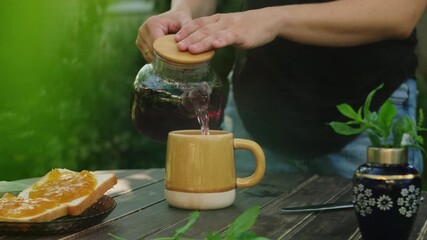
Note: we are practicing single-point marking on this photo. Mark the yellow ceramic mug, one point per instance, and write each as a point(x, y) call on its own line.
point(200, 172)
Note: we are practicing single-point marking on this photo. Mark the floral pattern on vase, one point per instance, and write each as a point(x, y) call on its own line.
point(407, 204)
point(386, 199)
point(410, 200)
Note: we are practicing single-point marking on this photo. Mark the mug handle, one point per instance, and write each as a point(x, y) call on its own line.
point(258, 153)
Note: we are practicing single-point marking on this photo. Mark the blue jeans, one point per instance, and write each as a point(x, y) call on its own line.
point(342, 163)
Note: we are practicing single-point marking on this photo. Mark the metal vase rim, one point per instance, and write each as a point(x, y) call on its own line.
point(389, 156)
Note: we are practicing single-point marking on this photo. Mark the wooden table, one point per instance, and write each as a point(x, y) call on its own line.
point(142, 212)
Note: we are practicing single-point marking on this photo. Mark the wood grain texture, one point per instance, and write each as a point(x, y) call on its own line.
point(262, 194)
point(166, 48)
point(143, 213)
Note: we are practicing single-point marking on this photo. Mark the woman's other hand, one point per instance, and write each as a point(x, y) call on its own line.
point(247, 29)
point(157, 26)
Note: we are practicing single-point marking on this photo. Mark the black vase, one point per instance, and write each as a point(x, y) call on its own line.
point(386, 194)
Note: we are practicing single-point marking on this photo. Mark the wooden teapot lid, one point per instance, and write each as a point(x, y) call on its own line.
point(166, 48)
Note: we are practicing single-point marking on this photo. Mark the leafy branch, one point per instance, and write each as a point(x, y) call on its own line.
point(383, 128)
point(238, 230)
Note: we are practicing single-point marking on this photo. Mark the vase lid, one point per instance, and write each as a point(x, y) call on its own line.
point(387, 155)
point(166, 48)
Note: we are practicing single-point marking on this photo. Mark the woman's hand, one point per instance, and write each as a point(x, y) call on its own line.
point(334, 24)
point(247, 29)
point(157, 26)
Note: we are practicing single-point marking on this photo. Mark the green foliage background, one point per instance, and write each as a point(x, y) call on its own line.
point(65, 93)
point(66, 74)
point(67, 69)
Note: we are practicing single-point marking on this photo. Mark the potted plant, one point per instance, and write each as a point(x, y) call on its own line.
point(386, 189)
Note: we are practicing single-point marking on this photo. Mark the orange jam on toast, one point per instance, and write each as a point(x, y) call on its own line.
point(12, 206)
point(64, 186)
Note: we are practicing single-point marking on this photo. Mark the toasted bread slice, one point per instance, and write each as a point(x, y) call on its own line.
point(104, 183)
point(18, 209)
point(78, 205)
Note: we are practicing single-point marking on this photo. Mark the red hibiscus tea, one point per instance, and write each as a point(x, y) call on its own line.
point(157, 112)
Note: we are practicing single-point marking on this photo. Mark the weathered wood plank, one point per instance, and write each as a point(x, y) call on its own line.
point(142, 212)
point(262, 194)
point(276, 225)
point(121, 173)
point(136, 180)
point(332, 225)
point(130, 218)
point(146, 222)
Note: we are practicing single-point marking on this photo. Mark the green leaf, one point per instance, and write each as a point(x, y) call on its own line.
point(385, 117)
point(191, 221)
point(372, 123)
point(11, 187)
point(380, 124)
point(352, 122)
point(416, 147)
point(213, 236)
point(243, 223)
point(372, 118)
point(348, 111)
point(250, 236)
point(359, 112)
point(420, 118)
point(368, 101)
point(419, 139)
point(375, 139)
point(411, 128)
point(397, 131)
point(238, 230)
point(345, 129)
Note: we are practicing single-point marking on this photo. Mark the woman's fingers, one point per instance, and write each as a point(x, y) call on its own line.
point(197, 36)
point(143, 42)
point(155, 27)
point(245, 30)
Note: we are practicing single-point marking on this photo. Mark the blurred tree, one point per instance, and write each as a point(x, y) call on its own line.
point(31, 36)
point(65, 89)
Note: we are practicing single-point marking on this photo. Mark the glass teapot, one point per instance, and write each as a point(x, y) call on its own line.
point(178, 90)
